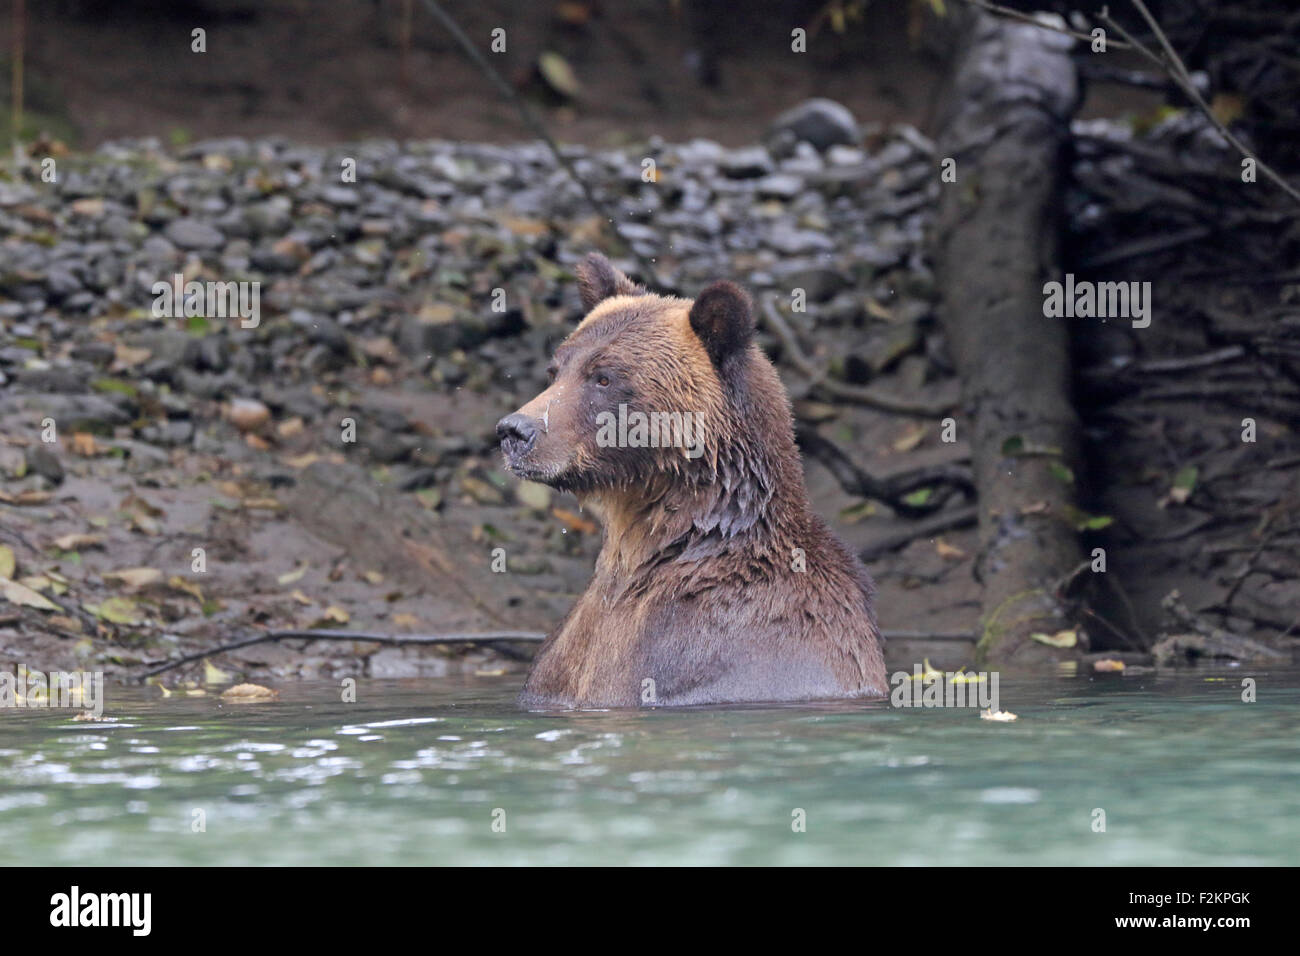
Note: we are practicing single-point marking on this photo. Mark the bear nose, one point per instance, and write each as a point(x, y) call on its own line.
point(517, 426)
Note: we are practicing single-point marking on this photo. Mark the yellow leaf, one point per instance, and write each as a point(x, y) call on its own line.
point(1059, 639)
point(556, 71)
point(1108, 666)
point(24, 596)
point(289, 577)
point(213, 674)
point(118, 610)
point(178, 583)
point(910, 438)
point(879, 311)
point(336, 613)
point(8, 563)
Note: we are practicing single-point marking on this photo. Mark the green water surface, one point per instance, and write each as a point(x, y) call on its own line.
point(418, 772)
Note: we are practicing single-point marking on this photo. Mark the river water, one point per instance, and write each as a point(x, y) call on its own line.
point(450, 772)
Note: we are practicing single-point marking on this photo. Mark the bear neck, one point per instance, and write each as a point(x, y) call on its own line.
point(749, 499)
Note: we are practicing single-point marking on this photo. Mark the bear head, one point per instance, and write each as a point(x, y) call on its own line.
point(647, 387)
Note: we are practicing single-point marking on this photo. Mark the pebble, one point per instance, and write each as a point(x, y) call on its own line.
point(415, 254)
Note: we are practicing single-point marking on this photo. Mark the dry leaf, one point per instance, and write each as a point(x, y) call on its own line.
point(25, 497)
point(1001, 715)
point(117, 610)
point(83, 443)
point(178, 583)
point(575, 522)
point(948, 551)
point(134, 578)
point(910, 438)
point(243, 693)
point(75, 542)
point(266, 504)
point(24, 596)
point(125, 357)
point(290, 577)
point(1108, 666)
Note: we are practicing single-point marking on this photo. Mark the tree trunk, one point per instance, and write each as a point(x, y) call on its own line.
point(996, 243)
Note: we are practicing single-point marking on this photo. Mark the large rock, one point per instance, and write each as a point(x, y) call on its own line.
point(820, 122)
point(193, 234)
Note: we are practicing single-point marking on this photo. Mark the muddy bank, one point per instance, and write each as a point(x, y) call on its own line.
point(418, 304)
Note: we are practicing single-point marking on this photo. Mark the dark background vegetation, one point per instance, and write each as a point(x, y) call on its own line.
point(614, 74)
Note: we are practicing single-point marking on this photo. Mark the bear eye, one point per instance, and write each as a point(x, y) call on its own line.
point(551, 371)
point(602, 380)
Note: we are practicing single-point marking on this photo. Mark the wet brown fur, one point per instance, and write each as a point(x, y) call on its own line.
point(694, 587)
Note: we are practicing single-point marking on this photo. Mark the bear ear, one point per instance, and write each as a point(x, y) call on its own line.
point(723, 318)
point(598, 280)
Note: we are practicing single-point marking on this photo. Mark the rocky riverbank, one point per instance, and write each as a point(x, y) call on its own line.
point(209, 475)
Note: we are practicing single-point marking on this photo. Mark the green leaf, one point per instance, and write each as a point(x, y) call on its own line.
point(114, 385)
point(855, 513)
point(1061, 472)
point(918, 497)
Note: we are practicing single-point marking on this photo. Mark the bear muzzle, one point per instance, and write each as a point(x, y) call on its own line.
point(517, 433)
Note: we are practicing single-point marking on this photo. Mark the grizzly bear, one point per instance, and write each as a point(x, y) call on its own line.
point(715, 583)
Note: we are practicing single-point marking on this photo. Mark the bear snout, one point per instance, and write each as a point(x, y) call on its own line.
point(517, 432)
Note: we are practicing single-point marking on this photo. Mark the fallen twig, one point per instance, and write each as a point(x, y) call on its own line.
point(926, 528)
point(859, 395)
point(395, 640)
point(1206, 639)
point(893, 491)
point(490, 639)
point(1173, 65)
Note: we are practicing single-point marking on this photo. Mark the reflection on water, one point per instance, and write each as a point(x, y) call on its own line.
point(419, 772)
